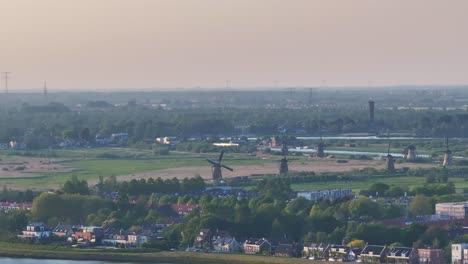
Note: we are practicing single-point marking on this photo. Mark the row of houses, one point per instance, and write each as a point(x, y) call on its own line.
point(222, 241)
point(373, 254)
point(87, 235)
point(13, 206)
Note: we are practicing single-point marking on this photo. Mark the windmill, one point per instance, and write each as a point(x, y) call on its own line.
point(216, 167)
point(447, 154)
point(321, 146)
point(411, 153)
point(283, 168)
point(390, 161)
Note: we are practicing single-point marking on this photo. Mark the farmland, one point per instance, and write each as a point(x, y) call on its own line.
point(50, 169)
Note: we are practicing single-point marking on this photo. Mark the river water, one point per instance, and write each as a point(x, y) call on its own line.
point(346, 152)
point(51, 261)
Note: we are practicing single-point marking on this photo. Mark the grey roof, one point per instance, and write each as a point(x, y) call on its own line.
point(375, 249)
point(64, 228)
point(221, 241)
point(256, 241)
point(400, 252)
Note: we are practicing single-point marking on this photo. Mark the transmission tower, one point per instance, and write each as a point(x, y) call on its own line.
point(6, 77)
point(45, 88)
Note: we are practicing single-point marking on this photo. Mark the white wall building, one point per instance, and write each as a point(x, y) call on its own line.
point(326, 194)
point(452, 210)
point(458, 253)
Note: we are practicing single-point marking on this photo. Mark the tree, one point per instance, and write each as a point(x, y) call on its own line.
point(421, 205)
point(364, 208)
point(84, 134)
point(75, 186)
point(357, 243)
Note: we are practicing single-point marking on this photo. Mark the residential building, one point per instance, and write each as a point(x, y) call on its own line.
point(225, 243)
point(204, 238)
point(402, 255)
point(452, 210)
point(373, 254)
point(287, 250)
point(465, 256)
point(341, 254)
point(123, 137)
point(137, 239)
point(317, 251)
point(257, 246)
point(431, 256)
point(35, 231)
point(64, 230)
point(326, 194)
point(116, 239)
point(458, 253)
point(91, 234)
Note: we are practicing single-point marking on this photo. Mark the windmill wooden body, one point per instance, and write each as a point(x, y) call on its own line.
point(321, 148)
point(390, 161)
point(283, 168)
point(447, 155)
point(216, 167)
point(411, 153)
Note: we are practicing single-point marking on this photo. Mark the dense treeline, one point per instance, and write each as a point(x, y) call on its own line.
point(146, 187)
point(42, 126)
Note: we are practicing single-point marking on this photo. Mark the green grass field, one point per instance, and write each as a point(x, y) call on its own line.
point(357, 186)
point(91, 169)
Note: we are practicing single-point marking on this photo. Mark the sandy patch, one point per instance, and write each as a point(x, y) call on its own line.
point(30, 168)
point(315, 165)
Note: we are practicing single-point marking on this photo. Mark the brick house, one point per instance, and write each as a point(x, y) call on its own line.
point(257, 246)
point(430, 256)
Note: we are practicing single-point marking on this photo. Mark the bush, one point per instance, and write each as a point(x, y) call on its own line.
point(20, 168)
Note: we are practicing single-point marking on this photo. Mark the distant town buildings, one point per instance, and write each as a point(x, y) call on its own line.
point(453, 210)
point(12, 206)
point(326, 194)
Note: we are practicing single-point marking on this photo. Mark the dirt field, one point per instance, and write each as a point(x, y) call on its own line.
point(315, 165)
point(30, 167)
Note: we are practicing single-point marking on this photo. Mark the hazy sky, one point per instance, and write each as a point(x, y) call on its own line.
point(110, 44)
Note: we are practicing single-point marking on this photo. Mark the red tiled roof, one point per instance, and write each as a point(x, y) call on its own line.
point(184, 208)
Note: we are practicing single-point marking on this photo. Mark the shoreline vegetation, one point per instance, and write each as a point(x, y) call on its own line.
point(155, 257)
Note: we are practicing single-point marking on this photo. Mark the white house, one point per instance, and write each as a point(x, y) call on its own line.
point(457, 253)
point(226, 244)
point(35, 231)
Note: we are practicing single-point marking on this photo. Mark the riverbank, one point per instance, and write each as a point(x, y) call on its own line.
point(159, 257)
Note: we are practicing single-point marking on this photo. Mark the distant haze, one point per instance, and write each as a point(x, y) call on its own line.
point(116, 44)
